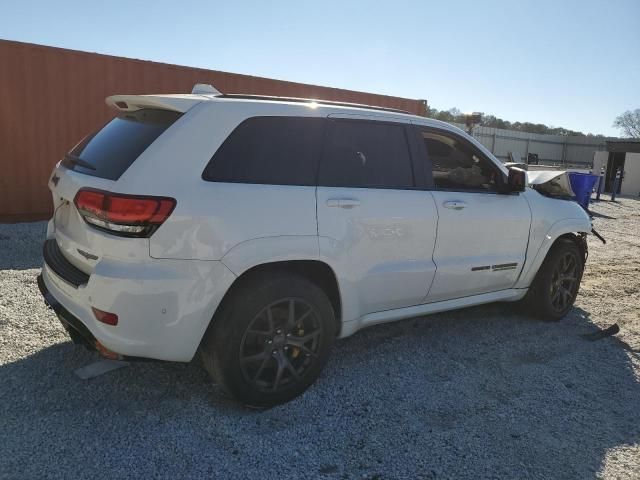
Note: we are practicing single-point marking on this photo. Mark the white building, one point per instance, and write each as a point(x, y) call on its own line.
point(623, 155)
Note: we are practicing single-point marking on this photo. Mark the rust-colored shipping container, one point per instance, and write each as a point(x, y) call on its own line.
point(51, 97)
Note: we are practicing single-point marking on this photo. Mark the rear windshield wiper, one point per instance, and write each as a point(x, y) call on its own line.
point(78, 161)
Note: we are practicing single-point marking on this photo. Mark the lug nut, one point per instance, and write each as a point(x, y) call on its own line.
point(269, 341)
point(274, 353)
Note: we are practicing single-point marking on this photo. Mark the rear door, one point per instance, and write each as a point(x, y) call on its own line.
point(374, 222)
point(482, 234)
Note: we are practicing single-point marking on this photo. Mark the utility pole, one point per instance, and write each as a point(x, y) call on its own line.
point(424, 107)
point(471, 120)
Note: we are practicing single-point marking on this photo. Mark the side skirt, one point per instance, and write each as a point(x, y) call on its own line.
point(509, 295)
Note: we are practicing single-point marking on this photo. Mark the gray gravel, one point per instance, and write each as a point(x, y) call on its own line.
point(482, 393)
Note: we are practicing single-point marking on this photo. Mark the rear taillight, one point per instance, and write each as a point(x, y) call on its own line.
point(125, 215)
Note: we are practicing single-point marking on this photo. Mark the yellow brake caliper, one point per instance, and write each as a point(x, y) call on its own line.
point(295, 351)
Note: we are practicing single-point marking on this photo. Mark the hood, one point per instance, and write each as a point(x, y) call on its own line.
point(552, 183)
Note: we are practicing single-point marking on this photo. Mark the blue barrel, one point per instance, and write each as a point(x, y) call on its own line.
point(582, 185)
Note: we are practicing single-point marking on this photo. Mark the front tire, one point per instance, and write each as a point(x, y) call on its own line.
point(555, 288)
point(270, 339)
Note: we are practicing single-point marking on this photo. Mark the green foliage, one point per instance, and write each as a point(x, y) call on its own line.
point(454, 115)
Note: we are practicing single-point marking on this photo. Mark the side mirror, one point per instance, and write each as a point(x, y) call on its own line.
point(516, 181)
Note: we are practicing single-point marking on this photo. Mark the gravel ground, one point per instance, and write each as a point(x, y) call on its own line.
point(486, 392)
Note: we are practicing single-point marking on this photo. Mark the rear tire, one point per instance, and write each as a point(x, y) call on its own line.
point(270, 339)
point(556, 285)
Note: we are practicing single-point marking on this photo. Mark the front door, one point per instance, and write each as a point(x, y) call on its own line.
point(482, 235)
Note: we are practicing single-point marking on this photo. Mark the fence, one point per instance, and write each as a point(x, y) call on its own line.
point(51, 97)
point(551, 149)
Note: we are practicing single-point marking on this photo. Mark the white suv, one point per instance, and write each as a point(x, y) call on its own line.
point(257, 230)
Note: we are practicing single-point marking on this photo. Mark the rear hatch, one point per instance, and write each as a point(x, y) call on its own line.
point(96, 164)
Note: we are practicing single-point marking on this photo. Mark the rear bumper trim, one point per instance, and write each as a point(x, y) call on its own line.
point(61, 266)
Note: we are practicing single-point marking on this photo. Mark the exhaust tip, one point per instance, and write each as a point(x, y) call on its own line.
point(106, 353)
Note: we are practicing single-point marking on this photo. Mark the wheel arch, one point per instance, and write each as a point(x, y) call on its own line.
point(574, 230)
point(313, 270)
point(579, 238)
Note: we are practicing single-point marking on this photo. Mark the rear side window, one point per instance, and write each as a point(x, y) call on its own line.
point(366, 154)
point(108, 152)
point(269, 150)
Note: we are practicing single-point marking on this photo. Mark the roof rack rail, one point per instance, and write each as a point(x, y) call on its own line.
point(242, 96)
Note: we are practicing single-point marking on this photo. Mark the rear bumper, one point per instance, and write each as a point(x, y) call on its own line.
point(77, 330)
point(163, 306)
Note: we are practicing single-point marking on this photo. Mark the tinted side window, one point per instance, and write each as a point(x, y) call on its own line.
point(366, 154)
point(114, 148)
point(269, 150)
point(456, 166)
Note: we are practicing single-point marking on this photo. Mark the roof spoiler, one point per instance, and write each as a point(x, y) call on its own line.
point(131, 103)
point(175, 103)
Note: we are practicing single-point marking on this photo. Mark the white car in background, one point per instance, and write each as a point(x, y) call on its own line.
point(257, 230)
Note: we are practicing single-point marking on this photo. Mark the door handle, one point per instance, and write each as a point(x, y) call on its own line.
point(454, 204)
point(343, 202)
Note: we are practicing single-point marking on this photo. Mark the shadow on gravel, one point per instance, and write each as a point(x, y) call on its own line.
point(601, 215)
point(479, 393)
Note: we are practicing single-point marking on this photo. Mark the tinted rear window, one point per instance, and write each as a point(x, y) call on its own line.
point(269, 150)
point(114, 148)
point(366, 154)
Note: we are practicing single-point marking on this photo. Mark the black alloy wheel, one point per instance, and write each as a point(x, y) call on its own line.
point(556, 285)
point(270, 338)
point(565, 280)
point(280, 344)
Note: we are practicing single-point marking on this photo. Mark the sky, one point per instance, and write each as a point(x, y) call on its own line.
point(574, 64)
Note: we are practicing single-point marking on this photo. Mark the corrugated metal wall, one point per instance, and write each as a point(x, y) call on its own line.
point(551, 149)
point(50, 98)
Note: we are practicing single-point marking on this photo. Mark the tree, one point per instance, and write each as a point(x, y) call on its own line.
point(629, 123)
point(454, 115)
